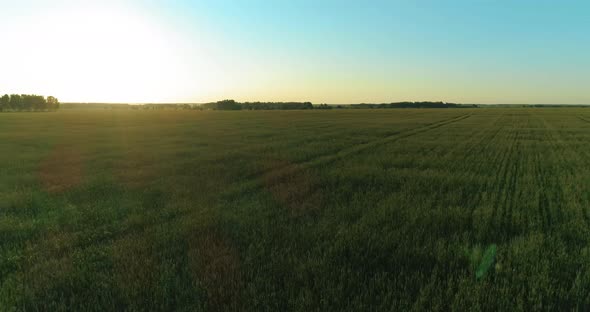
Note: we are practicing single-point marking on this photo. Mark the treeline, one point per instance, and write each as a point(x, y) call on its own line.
point(410, 105)
point(556, 105)
point(233, 105)
point(28, 102)
point(220, 105)
point(92, 106)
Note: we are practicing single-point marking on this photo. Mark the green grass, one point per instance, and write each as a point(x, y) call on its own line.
point(295, 210)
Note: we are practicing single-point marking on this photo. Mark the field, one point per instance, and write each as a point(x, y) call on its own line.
point(295, 210)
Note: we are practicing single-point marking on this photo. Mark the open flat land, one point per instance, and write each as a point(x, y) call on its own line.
point(295, 210)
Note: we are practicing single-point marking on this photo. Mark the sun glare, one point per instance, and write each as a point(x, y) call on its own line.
point(102, 53)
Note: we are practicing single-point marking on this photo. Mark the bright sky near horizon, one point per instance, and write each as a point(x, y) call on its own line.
point(324, 51)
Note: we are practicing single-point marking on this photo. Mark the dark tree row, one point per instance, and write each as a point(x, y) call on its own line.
point(276, 105)
point(410, 105)
point(233, 105)
point(162, 106)
point(28, 102)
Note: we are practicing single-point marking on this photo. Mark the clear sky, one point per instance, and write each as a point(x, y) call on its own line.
point(332, 51)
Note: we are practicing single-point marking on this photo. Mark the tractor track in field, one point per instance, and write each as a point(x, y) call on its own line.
point(502, 181)
point(474, 148)
point(510, 172)
point(585, 212)
point(477, 170)
point(558, 153)
point(519, 175)
point(543, 179)
point(505, 181)
point(504, 186)
point(391, 138)
point(499, 159)
point(364, 146)
point(511, 190)
point(386, 135)
point(510, 199)
point(355, 149)
point(544, 211)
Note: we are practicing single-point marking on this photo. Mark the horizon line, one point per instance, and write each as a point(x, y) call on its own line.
point(356, 103)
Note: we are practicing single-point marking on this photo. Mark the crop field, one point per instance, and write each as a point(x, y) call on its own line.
point(336, 210)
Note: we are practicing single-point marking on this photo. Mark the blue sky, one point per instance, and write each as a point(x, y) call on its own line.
point(323, 51)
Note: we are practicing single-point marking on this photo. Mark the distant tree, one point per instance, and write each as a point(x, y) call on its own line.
point(276, 105)
point(38, 102)
point(322, 106)
point(5, 102)
point(16, 102)
point(27, 102)
point(407, 105)
point(228, 105)
point(233, 105)
point(52, 103)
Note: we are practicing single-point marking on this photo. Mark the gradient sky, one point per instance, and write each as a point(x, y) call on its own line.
point(528, 51)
